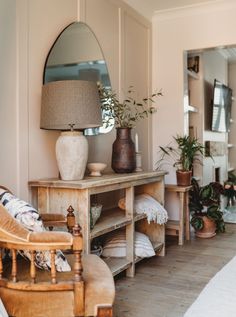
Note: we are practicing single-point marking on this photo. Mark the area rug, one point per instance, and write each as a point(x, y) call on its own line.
point(218, 298)
point(229, 215)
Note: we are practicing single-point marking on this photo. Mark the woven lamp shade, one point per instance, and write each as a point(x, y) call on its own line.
point(70, 103)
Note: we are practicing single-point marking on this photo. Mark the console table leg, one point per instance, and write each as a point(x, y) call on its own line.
point(187, 217)
point(181, 219)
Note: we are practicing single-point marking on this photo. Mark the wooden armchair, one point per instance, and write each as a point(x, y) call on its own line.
point(88, 290)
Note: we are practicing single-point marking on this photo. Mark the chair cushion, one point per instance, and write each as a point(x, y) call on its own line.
point(30, 219)
point(99, 290)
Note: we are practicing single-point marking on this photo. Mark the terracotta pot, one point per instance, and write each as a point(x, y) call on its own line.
point(208, 230)
point(123, 152)
point(183, 178)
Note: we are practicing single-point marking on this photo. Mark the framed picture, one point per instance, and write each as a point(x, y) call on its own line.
point(193, 64)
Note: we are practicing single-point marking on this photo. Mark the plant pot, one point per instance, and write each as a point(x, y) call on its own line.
point(183, 178)
point(208, 230)
point(231, 202)
point(123, 152)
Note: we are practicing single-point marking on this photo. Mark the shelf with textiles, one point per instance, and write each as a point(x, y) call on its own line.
point(117, 265)
point(194, 101)
point(138, 217)
point(110, 220)
point(192, 74)
point(191, 108)
point(157, 246)
point(50, 195)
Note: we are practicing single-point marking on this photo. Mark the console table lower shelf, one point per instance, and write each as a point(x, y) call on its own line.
point(54, 195)
point(117, 265)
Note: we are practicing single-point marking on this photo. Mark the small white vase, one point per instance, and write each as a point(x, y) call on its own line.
point(72, 155)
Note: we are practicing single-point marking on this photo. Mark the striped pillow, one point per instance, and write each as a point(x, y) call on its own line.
point(115, 246)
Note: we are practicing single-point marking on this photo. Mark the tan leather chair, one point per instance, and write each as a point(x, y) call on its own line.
point(88, 290)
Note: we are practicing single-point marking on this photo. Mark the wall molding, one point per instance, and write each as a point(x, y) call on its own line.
point(196, 9)
point(22, 102)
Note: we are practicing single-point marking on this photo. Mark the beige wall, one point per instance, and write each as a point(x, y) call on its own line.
point(175, 32)
point(56, 14)
point(148, 7)
point(125, 38)
point(28, 29)
point(8, 106)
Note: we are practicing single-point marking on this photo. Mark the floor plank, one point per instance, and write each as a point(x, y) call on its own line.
point(166, 286)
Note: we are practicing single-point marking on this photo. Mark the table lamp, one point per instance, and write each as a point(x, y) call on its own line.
point(71, 106)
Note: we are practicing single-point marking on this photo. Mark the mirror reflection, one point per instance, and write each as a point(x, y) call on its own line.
point(77, 55)
point(210, 112)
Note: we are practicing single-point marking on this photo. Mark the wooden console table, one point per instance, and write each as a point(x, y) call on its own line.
point(54, 195)
point(181, 227)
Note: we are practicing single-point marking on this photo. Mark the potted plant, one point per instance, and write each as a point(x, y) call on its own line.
point(230, 189)
point(186, 151)
point(204, 206)
point(124, 115)
point(230, 192)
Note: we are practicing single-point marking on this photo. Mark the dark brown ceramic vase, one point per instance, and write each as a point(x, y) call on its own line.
point(123, 152)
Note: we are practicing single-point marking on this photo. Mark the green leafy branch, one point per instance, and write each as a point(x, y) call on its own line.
point(127, 113)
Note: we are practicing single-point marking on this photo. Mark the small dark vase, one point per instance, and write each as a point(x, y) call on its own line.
point(123, 152)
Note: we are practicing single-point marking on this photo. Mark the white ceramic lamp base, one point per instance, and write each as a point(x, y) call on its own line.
point(72, 155)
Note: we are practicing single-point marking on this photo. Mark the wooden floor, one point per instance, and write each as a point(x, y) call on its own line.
point(166, 287)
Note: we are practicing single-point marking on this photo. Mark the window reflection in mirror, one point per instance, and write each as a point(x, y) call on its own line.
point(77, 55)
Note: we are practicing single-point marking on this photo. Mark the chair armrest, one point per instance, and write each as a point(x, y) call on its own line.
point(47, 237)
point(58, 220)
point(53, 217)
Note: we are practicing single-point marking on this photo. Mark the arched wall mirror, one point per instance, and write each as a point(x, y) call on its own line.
point(77, 55)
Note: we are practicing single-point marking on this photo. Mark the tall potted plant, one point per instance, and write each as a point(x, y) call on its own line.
point(124, 115)
point(184, 153)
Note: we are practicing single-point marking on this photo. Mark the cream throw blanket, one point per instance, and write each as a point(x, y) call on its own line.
point(144, 203)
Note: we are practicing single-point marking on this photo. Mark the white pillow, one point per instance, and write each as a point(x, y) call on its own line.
point(145, 203)
point(115, 246)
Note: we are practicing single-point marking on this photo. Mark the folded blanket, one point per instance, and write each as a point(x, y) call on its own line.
point(144, 203)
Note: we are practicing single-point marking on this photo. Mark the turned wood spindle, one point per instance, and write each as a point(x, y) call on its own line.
point(14, 266)
point(1, 266)
point(32, 267)
point(78, 269)
point(53, 267)
point(70, 219)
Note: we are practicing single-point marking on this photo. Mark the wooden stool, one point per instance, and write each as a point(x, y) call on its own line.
point(181, 227)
